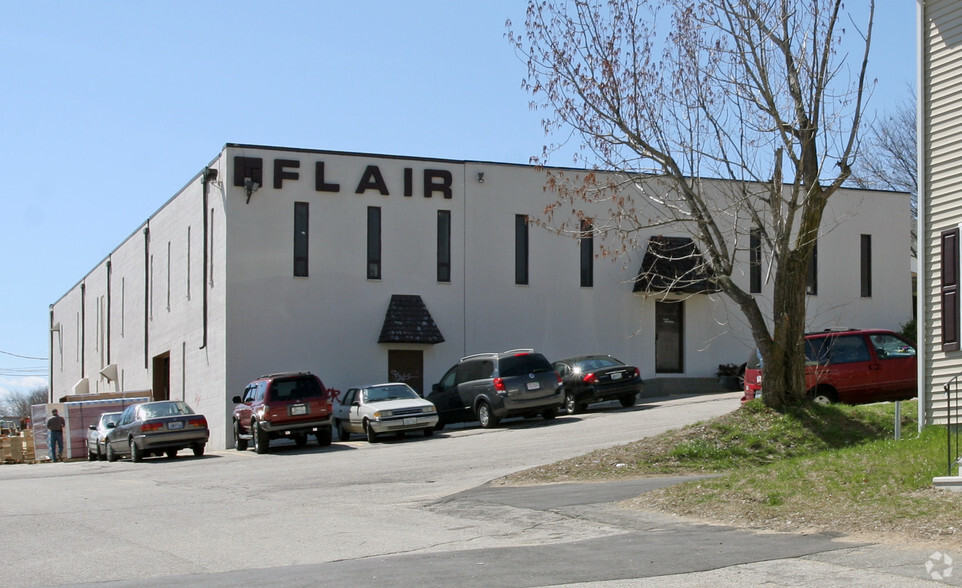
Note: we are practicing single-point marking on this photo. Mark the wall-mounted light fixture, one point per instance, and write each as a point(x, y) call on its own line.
point(250, 186)
point(210, 174)
point(480, 177)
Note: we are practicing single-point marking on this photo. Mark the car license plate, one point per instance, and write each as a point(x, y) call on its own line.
point(533, 385)
point(410, 421)
point(616, 376)
point(297, 409)
point(175, 425)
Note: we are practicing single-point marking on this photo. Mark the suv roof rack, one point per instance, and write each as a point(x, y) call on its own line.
point(474, 355)
point(517, 351)
point(280, 374)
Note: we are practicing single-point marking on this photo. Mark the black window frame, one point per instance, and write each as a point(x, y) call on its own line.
point(949, 288)
point(755, 261)
point(302, 227)
point(587, 254)
point(521, 249)
point(865, 265)
point(444, 246)
point(374, 242)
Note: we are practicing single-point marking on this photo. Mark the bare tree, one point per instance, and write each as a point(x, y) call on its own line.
point(17, 404)
point(754, 92)
point(888, 157)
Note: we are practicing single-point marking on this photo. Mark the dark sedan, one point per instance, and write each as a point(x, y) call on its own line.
point(153, 428)
point(594, 378)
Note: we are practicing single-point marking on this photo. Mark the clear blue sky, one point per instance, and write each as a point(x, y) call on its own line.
point(108, 108)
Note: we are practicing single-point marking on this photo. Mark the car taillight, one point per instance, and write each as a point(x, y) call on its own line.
point(151, 426)
point(590, 379)
point(637, 373)
point(499, 385)
point(197, 421)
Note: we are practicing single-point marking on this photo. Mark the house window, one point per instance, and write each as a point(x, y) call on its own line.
point(587, 254)
point(949, 288)
point(444, 245)
point(811, 285)
point(866, 266)
point(374, 242)
point(755, 261)
point(301, 228)
point(521, 249)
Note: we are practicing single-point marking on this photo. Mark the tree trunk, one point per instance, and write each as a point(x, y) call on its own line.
point(784, 362)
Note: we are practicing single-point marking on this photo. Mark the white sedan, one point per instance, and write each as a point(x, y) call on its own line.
point(383, 408)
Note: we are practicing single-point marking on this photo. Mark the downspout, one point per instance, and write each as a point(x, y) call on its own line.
point(921, 278)
point(207, 177)
point(146, 294)
point(50, 375)
point(109, 274)
point(83, 330)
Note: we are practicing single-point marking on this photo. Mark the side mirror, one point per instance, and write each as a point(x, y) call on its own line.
point(92, 427)
point(236, 400)
point(111, 425)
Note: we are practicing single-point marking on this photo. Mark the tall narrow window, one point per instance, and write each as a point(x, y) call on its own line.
point(866, 266)
point(811, 285)
point(167, 306)
point(301, 228)
point(521, 249)
point(444, 245)
point(755, 261)
point(374, 242)
point(188, 262)
point(587, 254)
point(949, 289)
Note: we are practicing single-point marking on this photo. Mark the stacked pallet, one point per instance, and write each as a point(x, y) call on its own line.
point(18, 448)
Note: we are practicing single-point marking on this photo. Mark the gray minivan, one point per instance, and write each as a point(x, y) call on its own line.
point(488, 387)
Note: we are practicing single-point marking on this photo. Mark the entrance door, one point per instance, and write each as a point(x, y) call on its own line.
point(669, 337)
point(406, 366)
point(161, 378)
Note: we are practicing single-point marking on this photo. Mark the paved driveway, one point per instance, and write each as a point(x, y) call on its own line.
point(408, 512)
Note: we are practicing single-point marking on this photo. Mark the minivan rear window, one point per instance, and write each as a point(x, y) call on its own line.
point(520, 365)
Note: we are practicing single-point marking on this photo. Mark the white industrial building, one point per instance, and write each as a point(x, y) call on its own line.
point(365, 268)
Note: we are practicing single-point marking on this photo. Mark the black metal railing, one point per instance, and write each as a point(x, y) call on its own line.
point(953, 418)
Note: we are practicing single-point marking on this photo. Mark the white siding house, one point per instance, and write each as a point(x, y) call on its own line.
point(365, 268)
point(940, 201)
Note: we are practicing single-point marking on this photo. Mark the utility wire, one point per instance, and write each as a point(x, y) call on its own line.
point(24, 356)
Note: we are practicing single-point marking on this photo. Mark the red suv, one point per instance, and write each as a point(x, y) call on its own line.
point(289, 405)
point(854, 366)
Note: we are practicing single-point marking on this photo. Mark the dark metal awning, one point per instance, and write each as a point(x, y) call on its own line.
point(408, 321)
point(674, 264)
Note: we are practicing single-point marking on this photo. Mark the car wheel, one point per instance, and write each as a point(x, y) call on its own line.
point(429, 431)
point(261, 440)
point(343, 434)
point(570, 405)
point(549, 413)
point(100, 454)
point(324, 436)
point(111, 454)
point(171, 453)
point(824, 396)
point(628, 400)
point(136, 454)
point(300, 439)
point(198, 449)
point(486, 416)
point(369, 431)
point(239, 444)
point(91, 456)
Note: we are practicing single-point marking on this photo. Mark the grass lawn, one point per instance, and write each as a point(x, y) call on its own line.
point(812, 468)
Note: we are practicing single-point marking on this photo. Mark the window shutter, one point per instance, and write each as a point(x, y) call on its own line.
point(950, 290)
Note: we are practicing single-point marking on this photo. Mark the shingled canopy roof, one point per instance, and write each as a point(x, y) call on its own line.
point(674, 264)
point(408, 321)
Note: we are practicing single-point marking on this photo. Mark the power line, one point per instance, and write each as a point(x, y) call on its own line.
point(24, 356)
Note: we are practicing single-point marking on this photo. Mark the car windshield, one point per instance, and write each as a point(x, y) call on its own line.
point(164, 409)
point(382, 393)
point(108, 417)
point(519, 365)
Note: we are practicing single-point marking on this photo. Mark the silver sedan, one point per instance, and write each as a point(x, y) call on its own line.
point(152, 428)
point(383, 408)
point(97, 434)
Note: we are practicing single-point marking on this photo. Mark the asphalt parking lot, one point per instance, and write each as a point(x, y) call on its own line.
point(412, 512)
